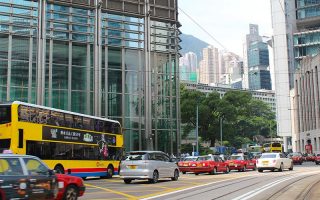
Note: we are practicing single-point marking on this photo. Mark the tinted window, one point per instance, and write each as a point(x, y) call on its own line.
point(5, 114)
point(137, 156)
point(10, 166)
point(236, 158)
point(65, 151)
point(4, 144)
point(159, 157)
point(165, 158)
point(35, 167)
point(268, 156)
point(276, 145)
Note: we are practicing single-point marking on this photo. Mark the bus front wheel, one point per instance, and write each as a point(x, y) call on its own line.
point(59, 169)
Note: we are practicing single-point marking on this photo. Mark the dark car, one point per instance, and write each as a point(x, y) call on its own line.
point(26, 177)
point(296, 157)
point(70, 187)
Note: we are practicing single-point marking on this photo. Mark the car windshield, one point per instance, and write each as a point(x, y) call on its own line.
point(201, 158)
point(190, 159)
point(136, 156)
point(236, 158)
point(294, 154)
point(268, 156)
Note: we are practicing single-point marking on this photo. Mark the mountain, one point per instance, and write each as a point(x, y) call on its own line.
point(193, 44)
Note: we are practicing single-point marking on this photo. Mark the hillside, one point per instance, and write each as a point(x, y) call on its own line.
point(191, 43)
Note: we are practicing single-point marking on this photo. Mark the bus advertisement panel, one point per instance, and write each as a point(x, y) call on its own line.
point(69, 142)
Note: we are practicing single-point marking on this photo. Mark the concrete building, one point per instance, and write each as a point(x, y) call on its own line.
point(209, 66)
point(231, 68)
point(109, 58)
point(296, 29)
point(267, 96)
point(305, 99)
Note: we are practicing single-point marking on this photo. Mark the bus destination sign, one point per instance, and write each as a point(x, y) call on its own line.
point(60, 134)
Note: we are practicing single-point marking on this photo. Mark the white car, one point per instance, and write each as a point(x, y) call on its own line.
point(150, 165)
point(273, 161)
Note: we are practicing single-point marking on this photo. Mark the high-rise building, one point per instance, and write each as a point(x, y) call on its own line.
point(256, 61)
point(115, 59)
point(209, 66)
point(231, 68)
point(188, 67)
point(296, 28)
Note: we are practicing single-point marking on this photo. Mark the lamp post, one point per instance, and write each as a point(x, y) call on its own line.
point(221, 131)
point(197, 127)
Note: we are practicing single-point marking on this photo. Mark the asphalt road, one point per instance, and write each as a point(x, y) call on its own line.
point(301, 183)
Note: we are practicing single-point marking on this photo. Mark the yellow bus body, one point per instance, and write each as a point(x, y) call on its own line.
point(33, 132)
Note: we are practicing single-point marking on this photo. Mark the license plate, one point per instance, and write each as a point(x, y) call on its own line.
point(185, 164)
point(265, 162)
point(132, 166)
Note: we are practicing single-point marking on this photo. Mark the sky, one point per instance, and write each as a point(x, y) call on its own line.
point(226, 20)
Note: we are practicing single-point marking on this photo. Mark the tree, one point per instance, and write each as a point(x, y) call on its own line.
point(243, 117)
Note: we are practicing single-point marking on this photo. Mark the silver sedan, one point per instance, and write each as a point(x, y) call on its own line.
point(150, 165)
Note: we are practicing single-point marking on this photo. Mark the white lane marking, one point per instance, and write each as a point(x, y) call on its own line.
point(259, 190)
point(190, 188)
point(253, 193)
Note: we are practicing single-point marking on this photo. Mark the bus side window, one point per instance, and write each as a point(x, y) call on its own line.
point(87, 123)
point(68, 120)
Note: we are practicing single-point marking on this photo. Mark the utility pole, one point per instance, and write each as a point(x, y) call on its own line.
point(221, 131)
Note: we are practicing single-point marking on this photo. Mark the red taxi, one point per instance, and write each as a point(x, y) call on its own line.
point(69, 187)
point(208, 164)
point(241, 162)
point(317, 159)
point(185, 164)
point(297, 158)
point(311, 157)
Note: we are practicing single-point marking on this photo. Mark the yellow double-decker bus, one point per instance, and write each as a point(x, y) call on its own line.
point(272, 147)
point(68, 142)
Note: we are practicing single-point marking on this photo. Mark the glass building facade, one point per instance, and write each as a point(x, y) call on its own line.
point(110, 58)
point(258, 62)
point(306, 40)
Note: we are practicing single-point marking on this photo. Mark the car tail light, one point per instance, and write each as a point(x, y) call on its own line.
point(193, 165)
point(274, 161)
point(257, 161)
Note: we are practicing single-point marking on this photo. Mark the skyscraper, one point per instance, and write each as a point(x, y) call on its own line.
point(256, 61)
point(209, 66)
point(115, 59)
point(188, 67)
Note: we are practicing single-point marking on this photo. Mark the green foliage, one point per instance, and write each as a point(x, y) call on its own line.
point(243, 117)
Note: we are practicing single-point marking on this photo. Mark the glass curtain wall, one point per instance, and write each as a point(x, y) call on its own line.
point(68, 66)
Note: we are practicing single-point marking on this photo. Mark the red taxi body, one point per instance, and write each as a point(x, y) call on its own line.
point(184, 165)
point(241, 162)
point(317, 159)
point(69, 187)
point(297, 158)
point(311, 157)
point(208, 164)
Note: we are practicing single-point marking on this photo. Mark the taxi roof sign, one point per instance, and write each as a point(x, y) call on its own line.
point(7, 151)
